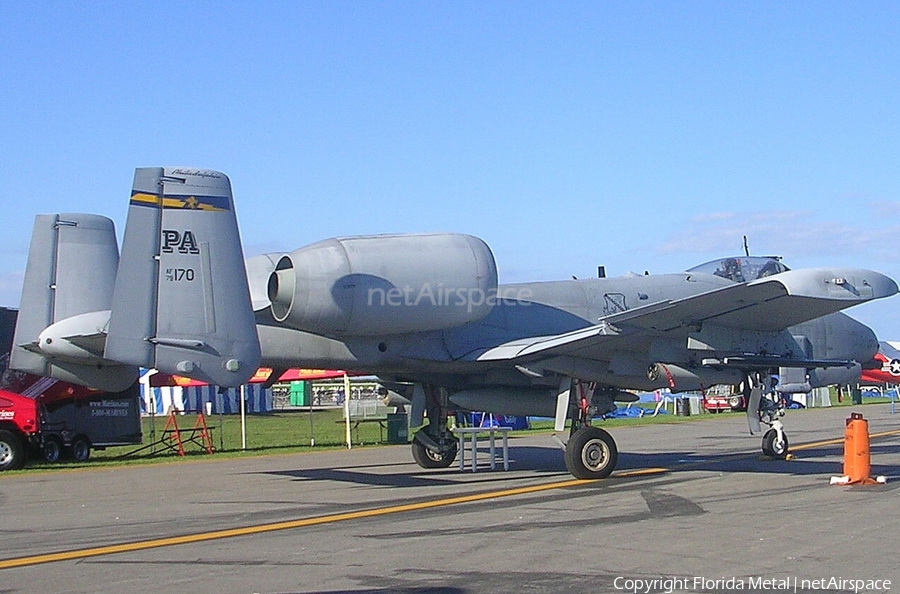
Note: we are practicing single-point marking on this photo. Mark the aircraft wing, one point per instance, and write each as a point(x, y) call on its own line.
point(768, 304)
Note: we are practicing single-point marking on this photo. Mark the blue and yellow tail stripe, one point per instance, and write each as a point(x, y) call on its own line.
point(208, 203)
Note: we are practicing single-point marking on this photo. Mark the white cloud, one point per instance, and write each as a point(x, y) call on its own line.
point(792, 233)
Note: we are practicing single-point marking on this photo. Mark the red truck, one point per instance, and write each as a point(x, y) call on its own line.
point(18, 423)
point(52, 420)
point(43, 418)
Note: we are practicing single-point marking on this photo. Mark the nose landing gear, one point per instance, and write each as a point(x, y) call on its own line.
point(765, 406)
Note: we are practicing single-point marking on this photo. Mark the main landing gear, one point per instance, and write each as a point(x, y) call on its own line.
point(591, 452)
point(434, 445)
point(765, 406)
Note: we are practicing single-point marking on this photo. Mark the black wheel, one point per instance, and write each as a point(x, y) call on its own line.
point(772, 447)
point(591, 453)
point(427, 458)
point(53, 449)
point(80, 449)
point(12, 451)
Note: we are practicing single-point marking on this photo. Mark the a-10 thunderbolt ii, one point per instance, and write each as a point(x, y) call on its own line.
point(425, 313)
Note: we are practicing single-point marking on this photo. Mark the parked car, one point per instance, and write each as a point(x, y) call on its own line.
point(717, 403)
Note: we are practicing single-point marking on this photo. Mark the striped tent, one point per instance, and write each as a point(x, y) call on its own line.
point(160, 400)
point(258, 399)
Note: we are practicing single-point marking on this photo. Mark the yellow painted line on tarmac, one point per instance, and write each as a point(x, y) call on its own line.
point(248, 530)
point(332, 518)
point(641, 472)
point(826, 442)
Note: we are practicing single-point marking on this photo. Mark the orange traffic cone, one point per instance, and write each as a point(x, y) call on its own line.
point(857, 461)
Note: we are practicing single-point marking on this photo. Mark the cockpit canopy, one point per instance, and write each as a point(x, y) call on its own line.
point(744, 268)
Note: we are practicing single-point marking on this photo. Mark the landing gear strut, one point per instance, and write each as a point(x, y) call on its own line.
point(435, 446)
point(591, 452)
point(765, 406)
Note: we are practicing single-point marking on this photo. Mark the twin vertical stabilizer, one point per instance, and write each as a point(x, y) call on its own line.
point(176, 300)
point(181, 302)
point(66, 297)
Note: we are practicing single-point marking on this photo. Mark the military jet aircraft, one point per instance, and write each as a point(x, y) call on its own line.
point(885, 367)
point(426, 313)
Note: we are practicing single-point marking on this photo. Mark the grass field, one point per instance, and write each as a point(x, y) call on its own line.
point(296, 430)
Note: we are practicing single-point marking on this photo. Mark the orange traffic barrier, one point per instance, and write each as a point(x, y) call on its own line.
point(857, 460)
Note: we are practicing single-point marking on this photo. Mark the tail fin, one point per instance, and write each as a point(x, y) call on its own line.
point(181, 303)
point(65, 304)
point(177, 300)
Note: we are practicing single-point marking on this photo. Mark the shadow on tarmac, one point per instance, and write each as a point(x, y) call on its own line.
point(549, 461)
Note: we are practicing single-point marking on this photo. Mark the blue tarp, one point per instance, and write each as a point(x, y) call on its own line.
point(870, 393)
point(628, 413)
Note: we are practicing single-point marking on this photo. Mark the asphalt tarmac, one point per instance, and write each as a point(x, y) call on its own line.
point(692, 507)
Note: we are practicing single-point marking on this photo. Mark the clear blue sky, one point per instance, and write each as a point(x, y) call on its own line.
point(638, 135)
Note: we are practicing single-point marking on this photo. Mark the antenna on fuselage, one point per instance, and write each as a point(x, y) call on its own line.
point(746, 247)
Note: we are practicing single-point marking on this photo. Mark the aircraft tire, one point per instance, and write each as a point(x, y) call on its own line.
point(426, 458)
point(591, 453)
point(12, 451)
point(771, 449)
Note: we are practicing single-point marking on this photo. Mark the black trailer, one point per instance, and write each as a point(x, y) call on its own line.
point(75, 425)
point(66, 420)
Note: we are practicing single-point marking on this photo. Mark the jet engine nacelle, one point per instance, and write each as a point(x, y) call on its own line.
point(680, 379)
point(385, 284)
